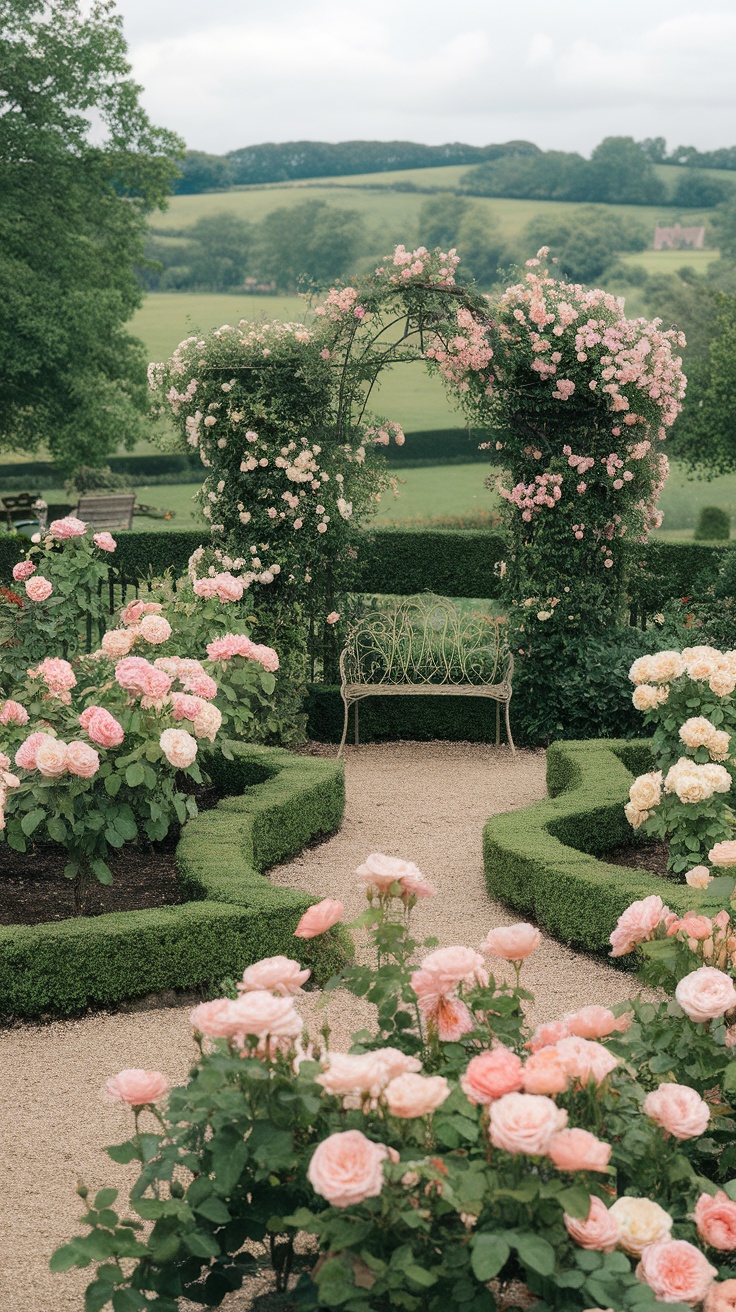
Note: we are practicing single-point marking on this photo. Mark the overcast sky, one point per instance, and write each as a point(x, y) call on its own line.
point(235, 72)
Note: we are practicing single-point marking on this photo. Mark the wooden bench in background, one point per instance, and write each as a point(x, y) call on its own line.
point(107, 511)
point(426, 644)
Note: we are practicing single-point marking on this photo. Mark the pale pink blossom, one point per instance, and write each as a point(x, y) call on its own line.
point(715, 1218)
point(25, 757)
point(138, 677)
point(512, 942)
point(706, 994)
point(13, 713)
point(409, 1096)
point(81, 759)
point(698, 877)
point(585, 1060)
point(133, 612)
point(262, 1015)
point(679, 1110)
point(641, 1223)
point(102, 727)
point(456, 965)
point(348, 1074)
point(23, 570)
point(278, 974)
point(525, 1123)
point(544, 1073)
point(380, 872)
point(38, 588)
point(490, 1075)
point(346, 1168)
point(578, 1150)
point(116, 643)
point(636, 924)
point(547, 1034)
point(68, 527)
point(137, 1088)
point(595, 1022)
point(721, 1297)
point(105, 541)
point(215, 1019)
point(155, 629)
point(51, 757)
point(333, 617)
point(179, 747)
point(319, 918)
point(677, 1271)
point(723, 855)
point(598, 1232)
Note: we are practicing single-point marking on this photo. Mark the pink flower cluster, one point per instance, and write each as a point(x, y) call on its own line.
point(530, 498)
point(52, 757)
point(224, 586)
point(469, 351)
point(382, 434)
point(139, 678)
point(58, 676)
point(237, 644)
point(101, 727)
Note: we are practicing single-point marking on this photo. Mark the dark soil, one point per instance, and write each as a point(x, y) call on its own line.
point(642, 856)
point(33, 889)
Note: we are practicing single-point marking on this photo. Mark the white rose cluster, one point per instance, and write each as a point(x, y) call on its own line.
point(698, 731)
point(696, 783)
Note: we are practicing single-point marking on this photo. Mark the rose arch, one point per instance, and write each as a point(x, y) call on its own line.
point(575, 400)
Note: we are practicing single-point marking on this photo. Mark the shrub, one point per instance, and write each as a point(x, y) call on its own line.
point(714, 524)
point(441, 1154)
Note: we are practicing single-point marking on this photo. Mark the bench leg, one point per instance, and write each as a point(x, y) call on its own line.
point(357, 736)
point(508, 732)
point(498, 724)
point(344, 728)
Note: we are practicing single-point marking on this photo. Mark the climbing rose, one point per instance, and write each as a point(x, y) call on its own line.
point(137, 1088)
point(319, 918)
point(347, 1168)
point(677, 1271)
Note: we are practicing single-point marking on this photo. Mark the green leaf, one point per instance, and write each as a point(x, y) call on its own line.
point(113, 784)
point(268, 681)
point(213, 1209)
point(56, 828)
point(202, 1245)
point(96, 1296)
point(729, 1078)
point(489, 1255)
point(31, 820)
point(114, 838)
point(64, 1258)
point(135, 774)
point(102, 871)
point(128, 1300)
point(420, 1277)
point(123, 1153)
point(105, 1198)
point(536, 1253)
point(575, 1200)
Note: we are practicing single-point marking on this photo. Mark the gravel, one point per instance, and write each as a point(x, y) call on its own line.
point(423, 801)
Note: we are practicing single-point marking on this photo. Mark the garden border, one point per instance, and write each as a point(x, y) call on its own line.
point(543, 860)
point(234, 915)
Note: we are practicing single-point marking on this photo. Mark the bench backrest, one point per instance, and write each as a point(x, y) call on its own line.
point(426, 639)
point(107, 512)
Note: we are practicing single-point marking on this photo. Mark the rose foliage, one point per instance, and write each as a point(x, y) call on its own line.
point(451, 1157)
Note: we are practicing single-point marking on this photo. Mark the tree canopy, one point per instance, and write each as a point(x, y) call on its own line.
point(82, 167)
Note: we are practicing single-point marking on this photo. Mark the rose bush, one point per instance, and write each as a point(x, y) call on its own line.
point(687, 697)
point(428, 1165)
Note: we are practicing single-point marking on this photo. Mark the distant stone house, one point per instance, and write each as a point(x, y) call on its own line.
point(679, 238)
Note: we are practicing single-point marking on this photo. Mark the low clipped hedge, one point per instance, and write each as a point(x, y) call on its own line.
point(388, 719)
point(232, 916)
point(548, 860)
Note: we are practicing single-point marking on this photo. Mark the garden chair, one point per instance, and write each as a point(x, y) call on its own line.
point(113, 511)
point(426, 645)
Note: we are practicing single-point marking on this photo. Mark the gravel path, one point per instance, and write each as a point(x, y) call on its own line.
point(423, 801)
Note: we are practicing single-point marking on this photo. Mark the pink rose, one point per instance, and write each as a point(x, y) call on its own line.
point(415, 885)
point(179, 747)
point(261, 1014)
point(116, 643)
point(679, 1109)
point(184, 706)
point(137, 1088)
point(13, 713)
point(266, 656)
point(716, 1221)
point(397, 1062)
point(208, 722)
point(206, 588)
point(380, 872)
point(105, 541)
point(38, 588)
point(550, 1032)
point(215, 1019)
point(364, 1074)
point(23, 570)
point(585, 1060)
point(333, 617)
point(81, 759)
point(451, 1018)
point(56, 673)
point(705, 994)
point(410, 1096)
point(697, 927)
point(456, 965)
point(68, 527)
point(199, 684)
point(277, 974)
point(698, 877)
point(723, 855)
point(138, 677)
point(578, 1150)
point(544, 1073)
point(102, 727)
point(512, 942)
point(228, 646)
point(228, 588)
point(599, 1231)
point(51, 757)
point(490, 1075)
point(132, 613)
point(319, 918)
point(155, 629)
point(721, 1297)
point(596, 1023)
point(524, 1123)
point(25, 756)
point(677, 1271)
point(347, 1168)
point(637, 923)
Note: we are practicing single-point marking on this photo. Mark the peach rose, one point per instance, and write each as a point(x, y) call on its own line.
point(319, 918)
point(512, 942)
point(646, 697)
point(364, 1073)
point(524, 1123)
point(155, 629)
point(637, 923)
point(208, 722)
point(677, 1271)
point(102, 727)
point(697, 731)
point(13, 713)
point(716, 1221)
point(578, 1150)
point(137, 1088)
point(215, 1019)
point(68, 527)
point(228, 588)
point(596, 1022)
point(721, 1297)
point(599, 1231)
point(23, 570)
point(51, 757)
point(105, 541)
point(641, 670)
point(416, 886)
point(379, 872)
point(547, 1034)
point(81, 759)
point(705, 994)
point(455, 965)
point(116, 643)
point(346, 1168)
point(679, 1109)
point(696, 927)
point(698, 877)
point(25, 757)
point(277, 974)
point(410, 1096)
point(262, 1014)
point(39, 588)
point(646, 791)
point(722, 682)
point(723, 855)
point(641, 1223)
point(666, 666)
point(490, 1075)
point(179, 747)
point(544, 1073)
point(585, 1060)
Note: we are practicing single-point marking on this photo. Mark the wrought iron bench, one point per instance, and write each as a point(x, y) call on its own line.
point(425, 644)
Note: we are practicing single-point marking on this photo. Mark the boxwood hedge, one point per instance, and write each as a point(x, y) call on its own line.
point(548, 860)
point(232, 915)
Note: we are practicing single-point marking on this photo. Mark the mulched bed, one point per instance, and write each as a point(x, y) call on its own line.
point(33, 889)
point(642, 856)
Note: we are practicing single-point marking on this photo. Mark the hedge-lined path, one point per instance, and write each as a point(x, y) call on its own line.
point(423, 801)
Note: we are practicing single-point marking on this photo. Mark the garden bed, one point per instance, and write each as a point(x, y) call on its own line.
point(33, 890)
point(228, 916)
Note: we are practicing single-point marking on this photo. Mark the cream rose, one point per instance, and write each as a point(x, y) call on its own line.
point(646, 697)
point(51, 758)
point(641, 1222)
point(666, 666)
point(347, 1168)
point(179, 747)
point(704, 994)
point(410, 1096)
point(646, 791)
